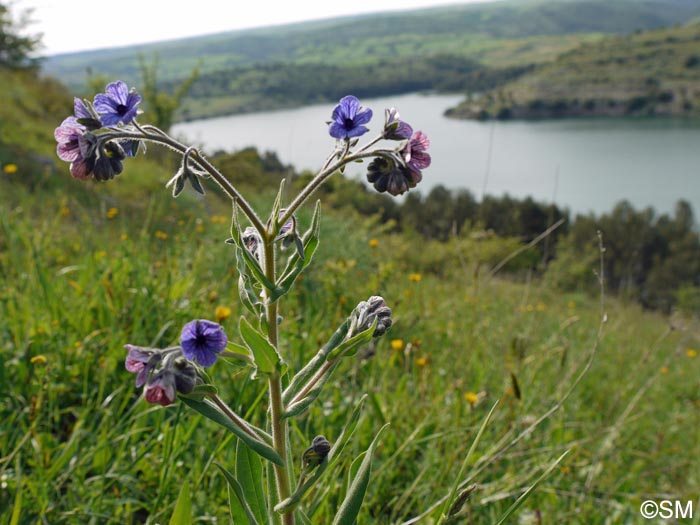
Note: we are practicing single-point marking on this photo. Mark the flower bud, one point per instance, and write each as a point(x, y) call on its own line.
point(252, 240)
point(160, 388)
point(185, 375)
point(373, 308)
point(316, 453)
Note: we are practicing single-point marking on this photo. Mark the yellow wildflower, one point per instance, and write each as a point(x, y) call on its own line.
point(415, 277)
point(38, 359)
point(423, 361)
point(112, 213)
point(221, 313)
point(65, 211)
point(161, 235)
point(664, 370)
point(397, 344)
point(9, 169)
point(124, 236)
point(691, 353)
point(373, 243)
point(471, 397)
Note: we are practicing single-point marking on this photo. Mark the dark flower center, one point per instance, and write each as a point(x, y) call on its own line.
point(201, 340)
point(122, 109)
point(348, 123)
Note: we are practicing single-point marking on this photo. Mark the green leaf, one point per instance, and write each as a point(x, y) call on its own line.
point(296, 263)
point(350, 508)
point(210, 411)
point(249, 475)
point(453, 491)
point(182, 514)
point(239, 507)
point(250, 261)
point(276, 206)
point(302, 377)
point(246, 291)
point(531, 488)
point(300, 406)
point(351, 346)
point(267, 360)
point(328, 463)
point(17, 507)
point(199, 392)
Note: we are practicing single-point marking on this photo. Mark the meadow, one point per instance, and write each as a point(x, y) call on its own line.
point(88, 268)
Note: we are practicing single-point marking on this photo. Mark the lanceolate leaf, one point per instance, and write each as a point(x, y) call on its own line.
point(267, 360)
point(240, 509)
point(208, 410)
point(351, 346)
point(328, 464)
point(249, 475)
point(296, 263)
point(314, 365)
point(182, 515)
point(250, 261)
point(350, 508)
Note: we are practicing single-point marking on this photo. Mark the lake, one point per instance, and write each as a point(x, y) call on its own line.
point(583, 164)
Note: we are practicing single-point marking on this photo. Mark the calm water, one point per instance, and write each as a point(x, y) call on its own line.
point(586, 165)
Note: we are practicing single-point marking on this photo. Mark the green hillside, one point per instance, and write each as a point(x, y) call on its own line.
point(437, 49)
point(646, 73)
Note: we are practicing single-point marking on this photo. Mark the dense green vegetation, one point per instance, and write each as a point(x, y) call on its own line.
point(86, 268)
point(646, 73)
point(456, 48)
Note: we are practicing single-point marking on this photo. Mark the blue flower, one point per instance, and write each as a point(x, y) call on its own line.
point(348, 119)
point(202, 341)
point(117, 104)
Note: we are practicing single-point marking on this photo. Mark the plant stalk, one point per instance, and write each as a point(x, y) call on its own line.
point(279, 425)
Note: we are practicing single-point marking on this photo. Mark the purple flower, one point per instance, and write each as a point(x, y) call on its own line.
point(415, 152)
point(394, 127)
point(117, 104)
point(348, 119)
point(161, 388)
point(252, 241)
point(387, 175)
point(109, 162)
point(141, 361)
point(76, 147)
point(202, 340)
point(79, 108)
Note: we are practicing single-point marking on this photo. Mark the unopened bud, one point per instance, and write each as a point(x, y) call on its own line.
point(373, 308)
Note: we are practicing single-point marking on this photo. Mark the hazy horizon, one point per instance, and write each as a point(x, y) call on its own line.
point(63, 23)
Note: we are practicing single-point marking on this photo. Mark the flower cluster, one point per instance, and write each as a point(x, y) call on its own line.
point(172, 370)
point(79, 138)
point(386, 174)
point(397, 173)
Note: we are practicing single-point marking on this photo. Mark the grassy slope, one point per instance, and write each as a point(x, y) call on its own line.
point(654, 72)
point(79, 444)
point(501, 34)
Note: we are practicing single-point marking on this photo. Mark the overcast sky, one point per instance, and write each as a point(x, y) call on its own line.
point(74, 25)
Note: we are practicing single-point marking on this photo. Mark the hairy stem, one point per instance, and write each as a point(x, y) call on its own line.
point(327, 172)
point(160, 137)
point(279, 425)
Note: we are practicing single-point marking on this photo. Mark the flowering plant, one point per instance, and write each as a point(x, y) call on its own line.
point(97, 140)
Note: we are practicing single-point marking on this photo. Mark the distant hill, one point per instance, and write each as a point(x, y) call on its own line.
point(511, 34)
point(646, 73)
